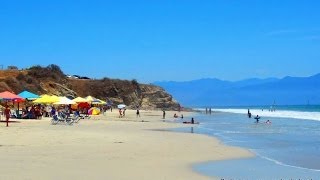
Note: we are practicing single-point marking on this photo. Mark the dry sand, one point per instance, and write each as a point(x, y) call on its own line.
point(107, 147)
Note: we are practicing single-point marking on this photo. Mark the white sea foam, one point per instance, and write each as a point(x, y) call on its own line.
point(279, 113)
point(281, 163)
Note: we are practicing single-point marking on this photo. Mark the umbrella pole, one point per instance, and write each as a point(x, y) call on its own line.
point(18, 111)
point(7, 120)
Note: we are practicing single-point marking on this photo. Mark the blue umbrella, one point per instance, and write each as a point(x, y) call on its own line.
point(28, 95)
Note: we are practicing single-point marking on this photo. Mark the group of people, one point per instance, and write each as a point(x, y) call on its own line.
point(257, 118)
point(176, 116)
point(122, 113)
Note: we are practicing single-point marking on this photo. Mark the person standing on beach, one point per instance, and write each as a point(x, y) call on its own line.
point(138, 113)
point(164, 114)
point(124, 112)
point(7, 113)
point(120, 113)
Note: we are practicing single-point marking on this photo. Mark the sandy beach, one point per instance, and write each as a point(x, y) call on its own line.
point(107, 147)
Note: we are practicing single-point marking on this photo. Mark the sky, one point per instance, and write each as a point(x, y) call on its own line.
point(163, 40)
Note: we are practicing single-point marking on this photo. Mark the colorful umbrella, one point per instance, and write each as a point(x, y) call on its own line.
point(91, 99)
point(99, 102)
point(46, 99)
point(80, 100)
point(28, 95)
point(64, 100)
point(121, 106)
point(6, 95)
point(94, 111)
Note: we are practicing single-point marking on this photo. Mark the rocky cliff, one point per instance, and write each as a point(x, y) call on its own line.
point(51, 80)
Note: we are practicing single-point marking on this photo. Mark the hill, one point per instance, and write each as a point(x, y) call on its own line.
point(51, 80)
point(215, 92)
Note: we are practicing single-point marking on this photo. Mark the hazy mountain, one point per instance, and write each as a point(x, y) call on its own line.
point(215, 92)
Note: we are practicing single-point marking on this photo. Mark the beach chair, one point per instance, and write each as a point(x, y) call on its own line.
point(62, 118)
point(76, 117)
point(54, 120)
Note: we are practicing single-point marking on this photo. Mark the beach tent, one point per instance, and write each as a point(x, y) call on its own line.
point(94, 111)
point(6, 95)
point(28, 95)
point(121, 106)
point(64, 100)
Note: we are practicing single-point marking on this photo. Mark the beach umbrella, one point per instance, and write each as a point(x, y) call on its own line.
point(99, 102)
point(91, 99)
point(94, 111)
point(28, 95)
point(6, 95)
point(64, 100)
point(121, 106)
point(80, 100)
point(46, 99)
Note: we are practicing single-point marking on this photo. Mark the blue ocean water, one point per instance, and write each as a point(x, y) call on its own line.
point(288, 148)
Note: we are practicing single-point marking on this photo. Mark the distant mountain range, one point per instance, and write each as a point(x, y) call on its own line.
point(215, 92)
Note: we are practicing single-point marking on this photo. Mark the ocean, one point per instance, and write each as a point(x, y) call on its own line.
point(288, 148)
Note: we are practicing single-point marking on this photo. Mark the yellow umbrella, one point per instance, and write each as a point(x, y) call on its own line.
point(94, 111)
point(100, 102)
point(91, 99)
point(46, 99)
point(80, 100)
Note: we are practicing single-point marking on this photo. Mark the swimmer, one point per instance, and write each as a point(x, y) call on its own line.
point(268, 122)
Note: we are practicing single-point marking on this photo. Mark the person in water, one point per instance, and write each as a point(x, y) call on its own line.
point(192, 120)
point(249, 113)
point(257, 118)
point(268, 122)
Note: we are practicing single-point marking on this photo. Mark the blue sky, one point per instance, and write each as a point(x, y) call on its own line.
point(164, 40)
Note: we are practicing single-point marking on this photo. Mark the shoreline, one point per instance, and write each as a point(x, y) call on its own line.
point(108, 147)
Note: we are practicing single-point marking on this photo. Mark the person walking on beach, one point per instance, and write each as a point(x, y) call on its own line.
point(164, 114)
point(138, 113)
point(120, 113)
point(7, 113)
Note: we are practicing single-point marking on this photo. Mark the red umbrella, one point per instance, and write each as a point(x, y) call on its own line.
point(6, 95)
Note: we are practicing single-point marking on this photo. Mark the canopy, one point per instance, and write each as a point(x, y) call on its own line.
point(29, 95)
point(6, 95)
point(94, 111)
point(64, 100)
point(46, 99)
point(80, 100)
point(121, 106)
point(91, 99)
point(99, 102)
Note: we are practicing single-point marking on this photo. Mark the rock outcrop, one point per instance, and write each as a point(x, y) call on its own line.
point(51, 80)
